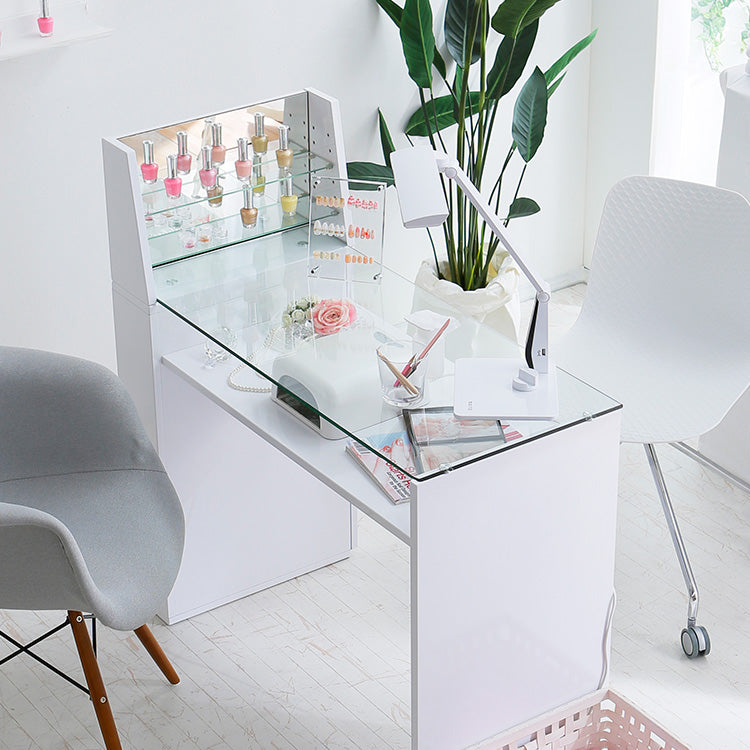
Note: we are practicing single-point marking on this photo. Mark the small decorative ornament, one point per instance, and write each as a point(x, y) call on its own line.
point(332, 315)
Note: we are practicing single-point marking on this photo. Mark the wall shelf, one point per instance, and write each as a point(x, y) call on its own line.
point(20, 36)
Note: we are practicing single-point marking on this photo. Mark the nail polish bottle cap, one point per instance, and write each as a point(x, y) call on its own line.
point(148, 152)
point(286, 186)
point(207, 161)
point(216, 134)
point(247, 197)
point(182, 143)
point(171, 167)
point(257, 165)
point(283, 137)
point(242, 149)
point(260, 128)
point(45, 13)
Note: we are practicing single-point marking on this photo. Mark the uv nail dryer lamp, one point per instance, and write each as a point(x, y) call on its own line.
point(338, 376)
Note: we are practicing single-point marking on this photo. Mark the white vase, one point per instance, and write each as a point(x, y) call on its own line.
point(496, 305)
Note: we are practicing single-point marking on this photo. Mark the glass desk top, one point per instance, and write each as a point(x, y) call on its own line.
point(241, 297)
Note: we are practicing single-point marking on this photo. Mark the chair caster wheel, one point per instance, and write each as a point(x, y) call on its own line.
point(695, 641)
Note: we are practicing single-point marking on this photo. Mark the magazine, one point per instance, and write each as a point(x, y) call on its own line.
point(394, 482)
point(439, 438)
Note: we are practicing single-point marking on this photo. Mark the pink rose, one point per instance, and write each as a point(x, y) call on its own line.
point(331, 315)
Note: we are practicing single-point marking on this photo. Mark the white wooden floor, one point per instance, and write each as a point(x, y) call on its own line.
point(323, 661)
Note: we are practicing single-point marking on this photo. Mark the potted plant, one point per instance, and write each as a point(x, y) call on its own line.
point(460, 107)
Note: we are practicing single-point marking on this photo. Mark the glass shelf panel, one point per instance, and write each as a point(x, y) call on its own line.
point(246, 288)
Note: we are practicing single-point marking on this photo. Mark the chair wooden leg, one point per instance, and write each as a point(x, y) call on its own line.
point(146, 637)
point(94, 681)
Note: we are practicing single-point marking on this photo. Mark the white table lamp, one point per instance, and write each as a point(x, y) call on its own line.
point(529, 390)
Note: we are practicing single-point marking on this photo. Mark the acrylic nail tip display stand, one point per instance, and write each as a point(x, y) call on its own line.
point(511, 545)
point(72, 24)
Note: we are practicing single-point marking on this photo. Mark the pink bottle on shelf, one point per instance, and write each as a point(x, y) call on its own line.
point(172, 183)
point(208, 173)
point(184, 159)
point(149, 168)
point(45, 21)
point(243, 165)
point(218, 151)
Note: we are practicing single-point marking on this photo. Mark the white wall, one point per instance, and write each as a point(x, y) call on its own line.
point(620, 100)
point(177, 59)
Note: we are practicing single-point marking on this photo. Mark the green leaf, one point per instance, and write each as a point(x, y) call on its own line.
point(461, 23)
point(530, 115)
point(523, 207)
point(385, 138)
point(365, 170)
point(418, 41)
point(394, 13)
point(393, 10)
point(513, 15)
point(512, 55)
point(553, 86)
point(444, 113)
point(559, 65)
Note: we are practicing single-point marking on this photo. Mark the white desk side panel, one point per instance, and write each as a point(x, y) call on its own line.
point(512, 575)
point(253, 517)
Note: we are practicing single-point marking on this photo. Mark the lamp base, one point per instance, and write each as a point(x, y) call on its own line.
point(483, 389)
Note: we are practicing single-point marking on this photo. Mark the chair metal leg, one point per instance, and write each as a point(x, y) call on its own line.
point(146, 637)
point(94, 681)
point(695, 640)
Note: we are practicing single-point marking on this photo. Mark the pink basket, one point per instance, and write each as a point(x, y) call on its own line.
point(600, 721)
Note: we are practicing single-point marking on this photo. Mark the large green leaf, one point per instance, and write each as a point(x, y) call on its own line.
point(523, 207)
point(530, 115)
point(442, 116)
point(385, 138)
point(559, 65)
point(394, 11)
point(365, 170)
point(512, 56)
point(418, 41)
point(462, 23)
point(513, 15)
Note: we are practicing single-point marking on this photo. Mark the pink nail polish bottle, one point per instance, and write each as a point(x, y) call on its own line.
point(218, 152)
point(184, 160)
point(149, 169)
point(208, 173)
point(172, 183)
point(243, 165)
point(45, 21)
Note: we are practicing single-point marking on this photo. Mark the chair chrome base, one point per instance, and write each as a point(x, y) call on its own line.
point(694, 638)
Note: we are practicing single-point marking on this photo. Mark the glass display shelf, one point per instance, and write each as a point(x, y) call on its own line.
point(237, 297)
point(156, 200)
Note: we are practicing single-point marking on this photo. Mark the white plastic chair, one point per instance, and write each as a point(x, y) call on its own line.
point(665, 325)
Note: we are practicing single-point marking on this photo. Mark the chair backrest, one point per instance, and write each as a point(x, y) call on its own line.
point(672, 262)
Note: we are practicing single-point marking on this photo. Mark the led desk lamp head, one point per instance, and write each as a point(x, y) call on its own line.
point(416, 173)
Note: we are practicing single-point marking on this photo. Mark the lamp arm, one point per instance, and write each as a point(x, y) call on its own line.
point(537, 339)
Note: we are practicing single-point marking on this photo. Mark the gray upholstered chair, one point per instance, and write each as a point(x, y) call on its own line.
point(89, 521)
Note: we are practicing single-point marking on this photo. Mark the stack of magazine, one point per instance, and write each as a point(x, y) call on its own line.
point(433, 438)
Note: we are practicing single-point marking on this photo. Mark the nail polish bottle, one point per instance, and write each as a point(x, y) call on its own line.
point(218, 152)
point(260, 139)
point(149, 169)
point(215, 193)
point(283, 152)
point(248, 213)
point(243, 165)
point(172, 183)
point(288, 198)
point(208, 173)
point(206, 133)
point(259, 181)
point(45, 20)
point(184, 160)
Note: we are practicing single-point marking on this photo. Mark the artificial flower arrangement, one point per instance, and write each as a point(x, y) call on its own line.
point(320, 316)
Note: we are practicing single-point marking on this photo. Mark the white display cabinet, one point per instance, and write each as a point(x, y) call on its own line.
point(511, 540)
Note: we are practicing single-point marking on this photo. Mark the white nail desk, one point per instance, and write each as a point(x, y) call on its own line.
point(267, 498)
